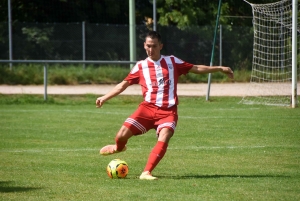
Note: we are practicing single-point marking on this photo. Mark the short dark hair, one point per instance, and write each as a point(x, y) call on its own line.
point(152, 35)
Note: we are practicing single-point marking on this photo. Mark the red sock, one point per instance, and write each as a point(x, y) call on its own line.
point(156, 155)
point(120, 144)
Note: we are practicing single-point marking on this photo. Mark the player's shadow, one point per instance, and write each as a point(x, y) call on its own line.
point(8, 187)
point(216, 176)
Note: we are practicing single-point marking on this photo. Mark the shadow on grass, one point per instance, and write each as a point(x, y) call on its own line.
point(217, 176)
point(7, 187)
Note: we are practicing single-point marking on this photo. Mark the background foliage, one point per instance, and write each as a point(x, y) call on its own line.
point(52, 29)
point(179, 13)
point(32, 74)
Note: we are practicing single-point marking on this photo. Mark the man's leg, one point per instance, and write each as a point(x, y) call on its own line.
point(122, 137)
point(157, 153)
point(136, 124)
point(121, 140)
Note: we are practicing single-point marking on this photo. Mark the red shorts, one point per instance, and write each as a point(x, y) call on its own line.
point(149, 116)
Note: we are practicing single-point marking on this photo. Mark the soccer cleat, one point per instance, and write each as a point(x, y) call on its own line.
point(110, 149)
point(147, 176)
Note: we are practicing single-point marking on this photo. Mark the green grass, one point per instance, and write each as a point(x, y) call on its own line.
point(221, 150)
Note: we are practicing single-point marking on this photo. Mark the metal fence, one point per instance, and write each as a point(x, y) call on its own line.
point(85, 41)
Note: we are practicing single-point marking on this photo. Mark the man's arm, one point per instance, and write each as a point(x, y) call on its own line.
point(202, 69)
point(119, 88)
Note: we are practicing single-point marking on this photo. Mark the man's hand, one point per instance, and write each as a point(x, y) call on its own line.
point(119, 88)
point(99, 102)
point(228, 72)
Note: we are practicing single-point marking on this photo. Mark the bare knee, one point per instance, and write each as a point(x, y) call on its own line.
point(124, 134)
point(165, 135)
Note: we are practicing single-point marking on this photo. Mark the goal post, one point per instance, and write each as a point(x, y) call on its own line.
point(274, 67)
point(294, 52)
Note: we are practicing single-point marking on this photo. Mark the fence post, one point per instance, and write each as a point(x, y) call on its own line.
point(132, 32)
point(83, 43)
point(220, 56)
point(154, 15)
point(45, 81)
point(10, 33)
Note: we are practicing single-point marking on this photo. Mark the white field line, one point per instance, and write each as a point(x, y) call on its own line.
point(48, 150)
point(45, 150)
point(118, 113)
point(104, 110)
point(74, 111)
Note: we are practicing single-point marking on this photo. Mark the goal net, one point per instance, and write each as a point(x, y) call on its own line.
point(271, 77)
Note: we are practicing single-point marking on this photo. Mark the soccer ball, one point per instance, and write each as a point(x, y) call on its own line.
point(117, 169)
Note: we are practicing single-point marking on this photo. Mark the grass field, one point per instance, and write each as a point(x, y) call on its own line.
point(221, 150)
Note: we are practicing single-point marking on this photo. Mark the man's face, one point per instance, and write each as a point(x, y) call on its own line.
point(153, 47)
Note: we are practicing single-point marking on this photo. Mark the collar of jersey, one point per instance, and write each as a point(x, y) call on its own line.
point(156, 62)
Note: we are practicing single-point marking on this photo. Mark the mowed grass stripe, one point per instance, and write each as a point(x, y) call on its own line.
point(102, 111)
point(134, 149)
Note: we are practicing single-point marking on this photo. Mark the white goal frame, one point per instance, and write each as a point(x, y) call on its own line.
point(294, 53)
point(293, 95)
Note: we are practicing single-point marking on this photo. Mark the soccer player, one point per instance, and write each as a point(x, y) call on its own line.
point(158, 77)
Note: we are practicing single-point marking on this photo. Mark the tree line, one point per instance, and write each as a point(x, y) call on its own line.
point(180, 13)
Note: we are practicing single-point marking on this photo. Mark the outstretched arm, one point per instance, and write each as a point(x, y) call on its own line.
point(119, 88)
point(202, 69)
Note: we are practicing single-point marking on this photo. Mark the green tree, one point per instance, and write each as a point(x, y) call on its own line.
point(183, 13)
point(178, 13)
point(58, 11)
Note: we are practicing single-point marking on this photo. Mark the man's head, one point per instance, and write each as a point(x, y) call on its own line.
point(153, 45)
point(153, 35)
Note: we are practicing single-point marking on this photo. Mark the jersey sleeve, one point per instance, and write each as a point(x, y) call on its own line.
point(133, 77)
point(182, 66)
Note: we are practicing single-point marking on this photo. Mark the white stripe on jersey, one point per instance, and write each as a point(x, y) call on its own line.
point(146, 74)
point(135, 68)
point(161, 84)
point(178, 61)
point(171, 81)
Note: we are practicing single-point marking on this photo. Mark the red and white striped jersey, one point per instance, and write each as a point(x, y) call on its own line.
point(159, 79)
